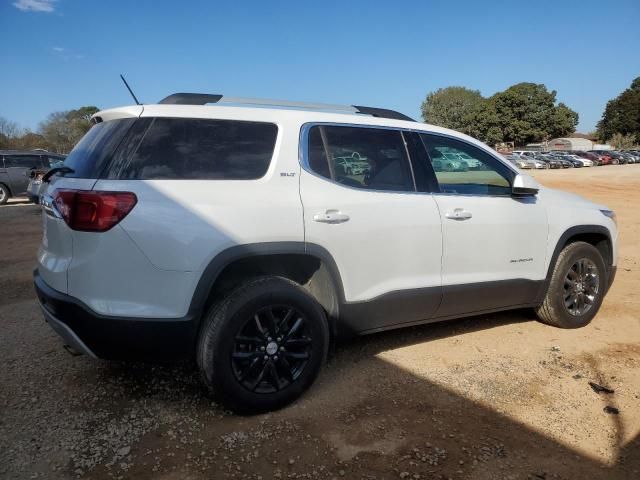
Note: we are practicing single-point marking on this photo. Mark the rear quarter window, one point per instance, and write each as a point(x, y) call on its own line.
point(93, 152)
point(185, 148)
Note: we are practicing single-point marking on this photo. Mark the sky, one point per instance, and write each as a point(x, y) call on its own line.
point(63, 54)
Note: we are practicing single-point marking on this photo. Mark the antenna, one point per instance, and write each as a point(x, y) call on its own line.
point(130, 91)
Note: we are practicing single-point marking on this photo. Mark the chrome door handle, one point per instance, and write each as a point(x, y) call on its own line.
point(330, 216)
point(458, 214)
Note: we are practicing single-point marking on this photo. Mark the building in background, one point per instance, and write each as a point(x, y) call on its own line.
point(571, 144)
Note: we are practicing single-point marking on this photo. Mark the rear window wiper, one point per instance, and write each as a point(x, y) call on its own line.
point(61, 170)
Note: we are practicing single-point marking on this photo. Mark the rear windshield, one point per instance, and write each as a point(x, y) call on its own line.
point(91, 154)
point(187, 148)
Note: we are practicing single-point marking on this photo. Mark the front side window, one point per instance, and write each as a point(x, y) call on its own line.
point(201, 149)
point(368, 158)
point(465, 169)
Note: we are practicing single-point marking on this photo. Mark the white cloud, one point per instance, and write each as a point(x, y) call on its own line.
point(57, 49)
point(35, 5)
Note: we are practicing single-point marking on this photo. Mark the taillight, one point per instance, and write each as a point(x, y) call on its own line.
point(93, 211)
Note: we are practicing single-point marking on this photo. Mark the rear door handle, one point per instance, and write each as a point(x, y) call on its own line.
point(331, 216)
point(458, 214)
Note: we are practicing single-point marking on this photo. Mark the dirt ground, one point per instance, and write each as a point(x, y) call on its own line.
point(493, 397)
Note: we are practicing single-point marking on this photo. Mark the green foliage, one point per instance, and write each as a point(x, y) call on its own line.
point(527, 113)
point(452, 107)
point(523, 113)
point(623, 142)
point(622, 114)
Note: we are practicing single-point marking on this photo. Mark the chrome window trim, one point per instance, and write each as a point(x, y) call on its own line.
point(303, 157)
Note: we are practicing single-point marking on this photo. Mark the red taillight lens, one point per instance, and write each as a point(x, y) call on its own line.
point(93, 211)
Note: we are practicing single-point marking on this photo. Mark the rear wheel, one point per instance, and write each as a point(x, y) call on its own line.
point(576, 289)
point(263, 346)
point(4, 194)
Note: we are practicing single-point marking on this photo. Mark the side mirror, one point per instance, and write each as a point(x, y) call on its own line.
point(524, 186)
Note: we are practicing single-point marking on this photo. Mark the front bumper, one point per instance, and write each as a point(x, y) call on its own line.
point(115, 338)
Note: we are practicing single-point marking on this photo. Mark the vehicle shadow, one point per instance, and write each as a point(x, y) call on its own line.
point(375, 417)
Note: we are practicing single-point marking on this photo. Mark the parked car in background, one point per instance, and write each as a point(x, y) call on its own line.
point(15, 166)
point(604, 157)
point(628, 157)
point(520, 162)
point(552, 161)
point(617, 156)
point(537, 163)
point(589, 156)
point(585, 161)
point(36, 185)
point(575, 162)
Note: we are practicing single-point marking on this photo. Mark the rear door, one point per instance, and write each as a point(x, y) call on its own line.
point(17, 167)
point(494, 244)
point(384, 236)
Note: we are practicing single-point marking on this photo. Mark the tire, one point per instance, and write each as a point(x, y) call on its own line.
point(554, 310)
point(4, 194)
point(249, 364)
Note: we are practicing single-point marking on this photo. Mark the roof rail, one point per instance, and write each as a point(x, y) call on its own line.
point(204, 98)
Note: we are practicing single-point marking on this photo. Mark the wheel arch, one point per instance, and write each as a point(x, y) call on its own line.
point(597, 235)
point(8, 187)
point(309, 265)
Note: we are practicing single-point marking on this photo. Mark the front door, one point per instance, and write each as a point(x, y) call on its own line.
point(494, 244)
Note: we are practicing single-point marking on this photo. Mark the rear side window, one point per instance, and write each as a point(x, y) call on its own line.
point(368, 158)
point(92, 153)
point(186, 148)
point(23, 161)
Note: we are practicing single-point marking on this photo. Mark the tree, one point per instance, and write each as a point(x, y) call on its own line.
point(622, 142)
point(8, 129)
point(452, 107)
point(526, 112)
point(622, 114)
point(62, 130)
point(523, 113)
point(464, 110)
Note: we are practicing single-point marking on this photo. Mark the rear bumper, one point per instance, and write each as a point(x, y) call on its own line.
point(115, 338)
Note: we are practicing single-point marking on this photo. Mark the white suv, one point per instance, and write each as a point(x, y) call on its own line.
point(220, 229)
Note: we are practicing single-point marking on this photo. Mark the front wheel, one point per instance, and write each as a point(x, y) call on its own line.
point(263, 346)
point(576, 289)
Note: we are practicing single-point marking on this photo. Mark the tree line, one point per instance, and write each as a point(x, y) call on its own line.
point(528, 113)
point(59, 132)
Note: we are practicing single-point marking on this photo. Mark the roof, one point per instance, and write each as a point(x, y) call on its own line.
point(206, 98)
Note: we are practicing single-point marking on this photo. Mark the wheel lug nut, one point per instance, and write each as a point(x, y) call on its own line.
point(279, 339)
point(262, 349)
point(269, 339)
point(266, 357)
point(276, 357)
point(282, 349)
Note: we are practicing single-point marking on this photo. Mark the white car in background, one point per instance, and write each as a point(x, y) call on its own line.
point(585, 161)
